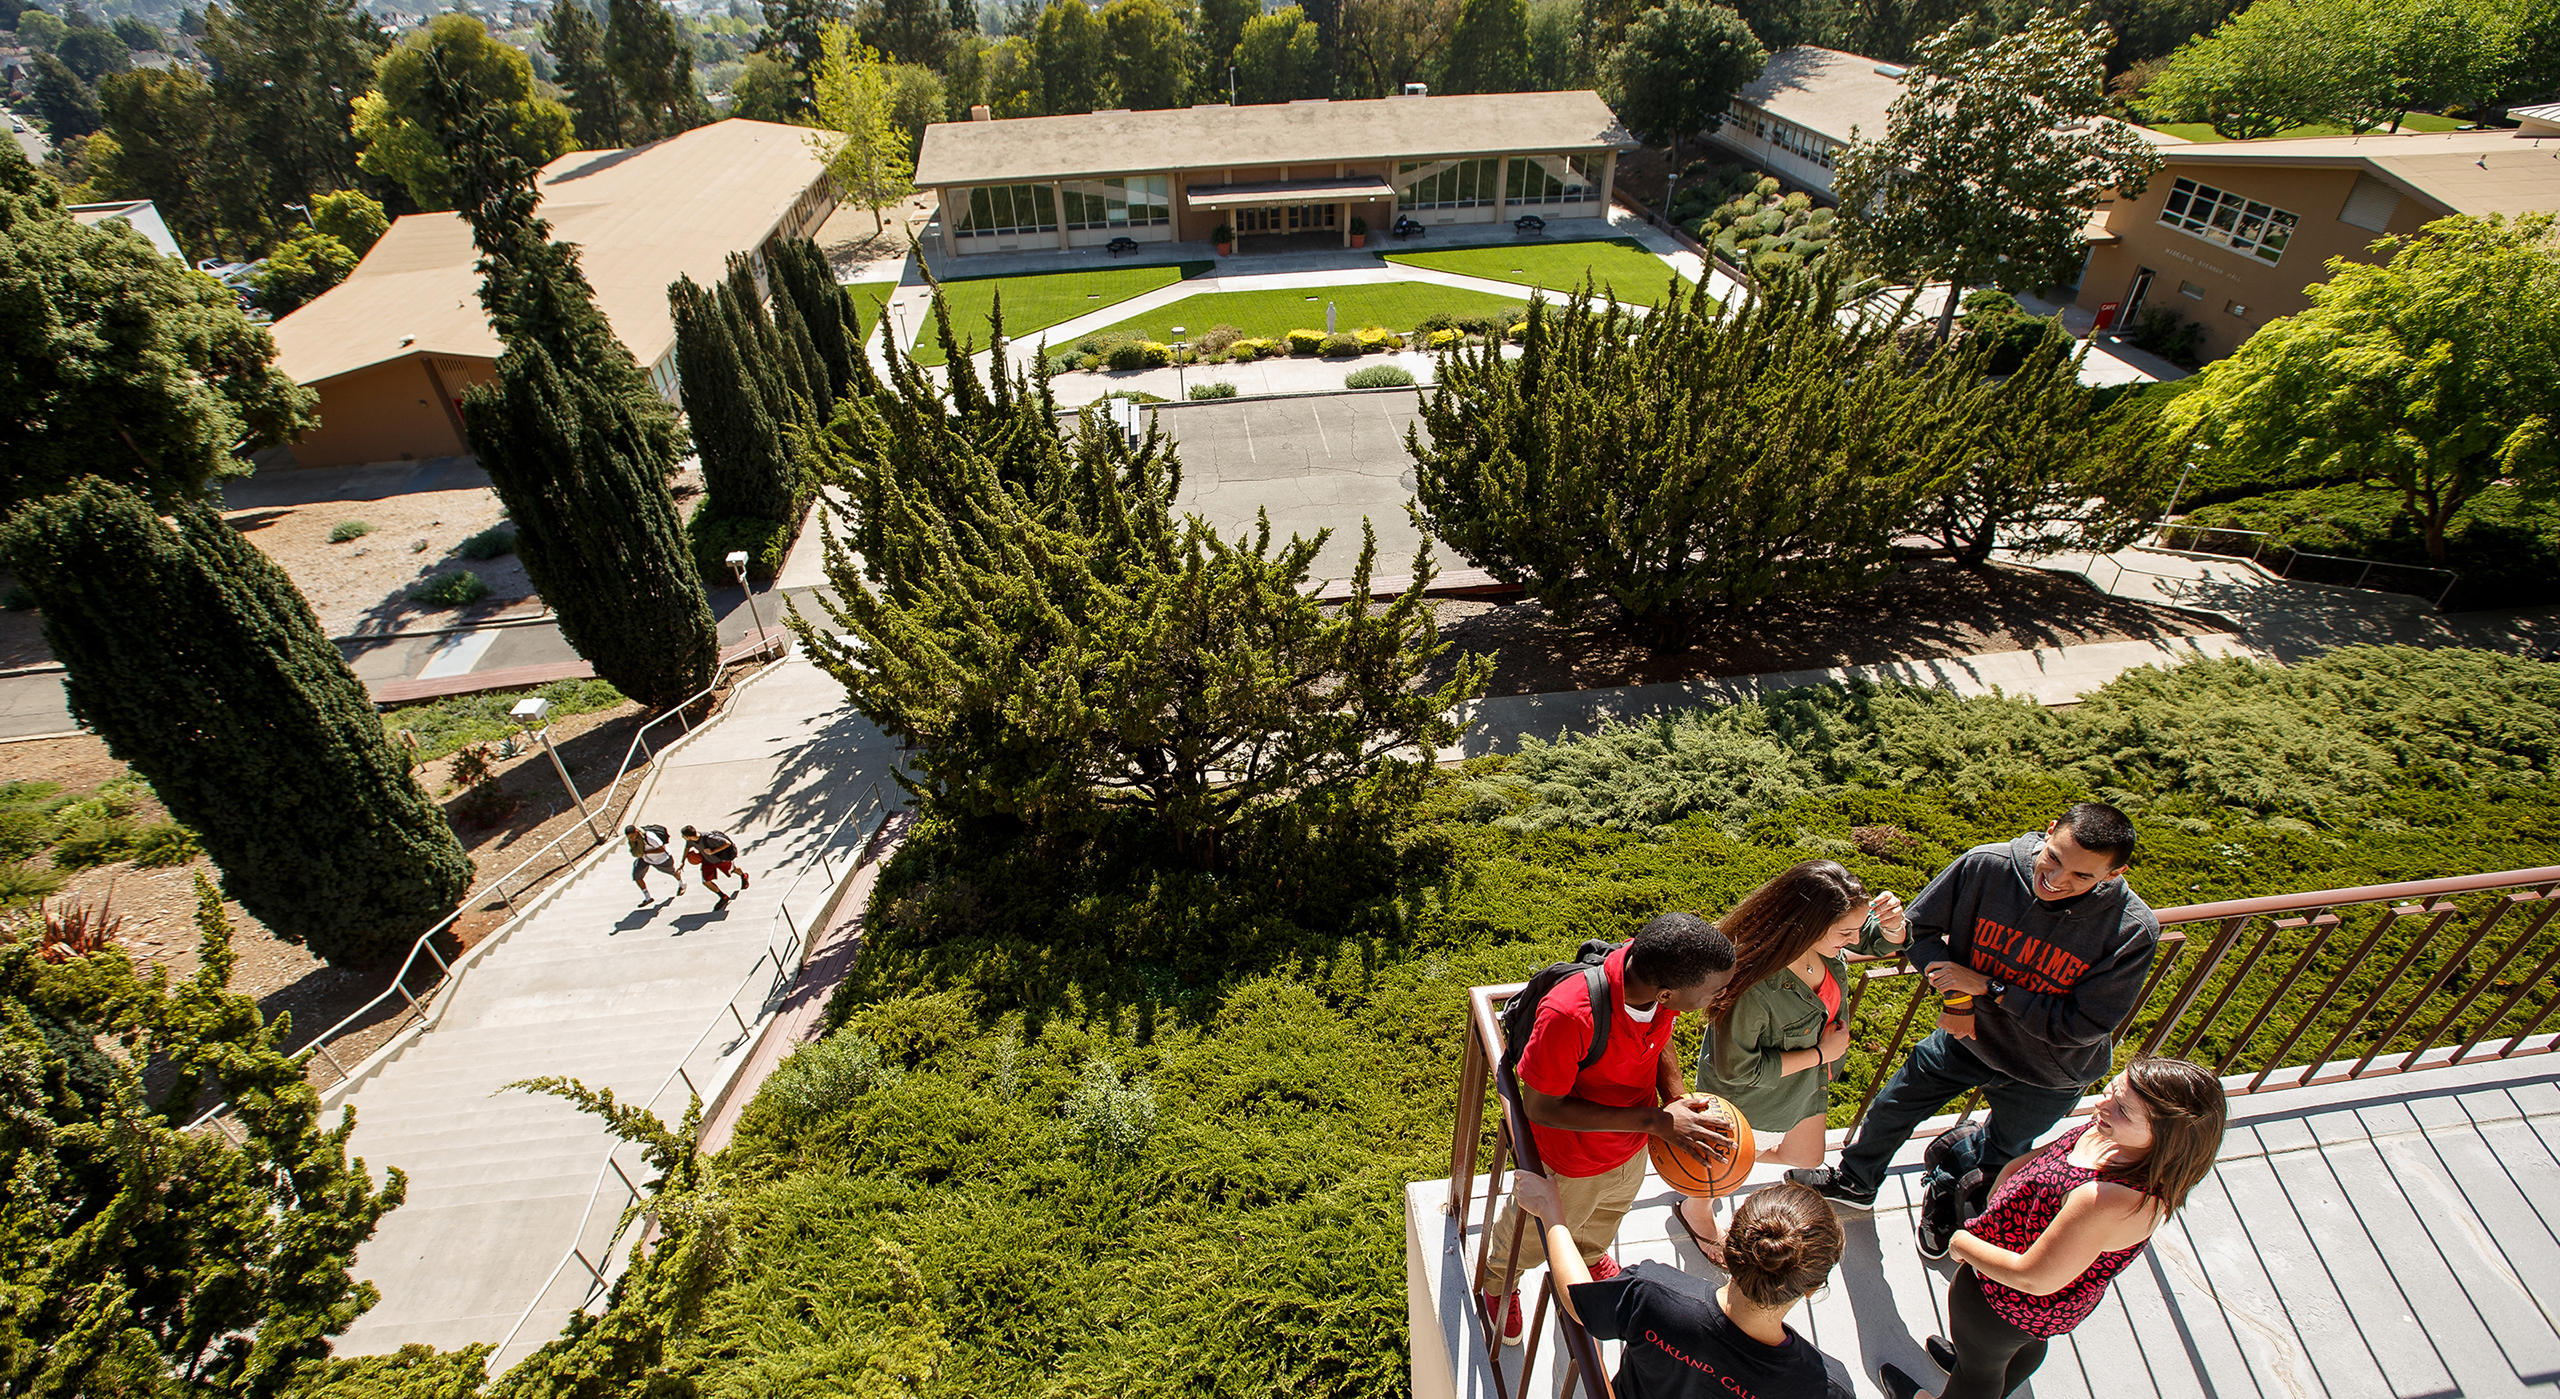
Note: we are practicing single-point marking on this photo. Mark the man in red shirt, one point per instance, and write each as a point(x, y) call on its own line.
point(1590, 1124)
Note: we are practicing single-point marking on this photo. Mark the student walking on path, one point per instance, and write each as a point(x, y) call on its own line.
point(2051, 947)
point(2063, 1222)
point(1776, 1032)
point(1687, 1338)
point(649, 850)
point(1590, 1121)
point(717, 854)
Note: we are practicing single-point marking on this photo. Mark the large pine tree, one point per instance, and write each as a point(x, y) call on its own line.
point(193, 656)
point(577, 443)
point(746, 464)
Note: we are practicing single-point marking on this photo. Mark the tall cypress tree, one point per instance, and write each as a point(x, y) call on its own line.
point(576, 43)
point(193, 656)
point(574, 439)
point(746, 468)
point(826, 309)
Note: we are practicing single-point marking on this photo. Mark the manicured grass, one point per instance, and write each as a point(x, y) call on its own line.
point(1033, 304)
point(867, 300)
point(2415, 121)
point(1613, 264)
point(1269, 315)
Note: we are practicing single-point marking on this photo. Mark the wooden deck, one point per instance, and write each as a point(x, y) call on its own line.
point(2389, 1239)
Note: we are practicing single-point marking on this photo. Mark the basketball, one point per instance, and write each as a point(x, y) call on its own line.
point(1692, 1172)
point(693, 857)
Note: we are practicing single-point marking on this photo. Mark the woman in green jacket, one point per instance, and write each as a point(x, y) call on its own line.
point(1776, 1032)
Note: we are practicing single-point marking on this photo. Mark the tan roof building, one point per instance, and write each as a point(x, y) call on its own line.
point(2230, 233)
point(392, 348)
point(1307, 168)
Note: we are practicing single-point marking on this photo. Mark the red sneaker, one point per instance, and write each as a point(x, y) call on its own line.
point(1510, 1320)
point(1605, 1269)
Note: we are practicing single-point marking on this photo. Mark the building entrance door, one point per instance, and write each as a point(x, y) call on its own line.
point(1313, 218)
point(2133, 299)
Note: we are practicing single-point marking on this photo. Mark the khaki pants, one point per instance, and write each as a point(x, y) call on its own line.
point(1593, 1205)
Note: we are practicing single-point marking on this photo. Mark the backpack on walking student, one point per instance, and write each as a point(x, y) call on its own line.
point(1520, 1013)
point(1955, 1184)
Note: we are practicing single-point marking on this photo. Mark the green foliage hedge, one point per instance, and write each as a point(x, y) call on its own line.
point(454, 589)
point(1379, 376)
point(448, 724)
point(2505, 546)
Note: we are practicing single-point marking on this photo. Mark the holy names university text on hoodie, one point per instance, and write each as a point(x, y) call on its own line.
point(2073, 966)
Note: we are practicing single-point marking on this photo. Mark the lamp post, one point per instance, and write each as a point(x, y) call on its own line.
point(530, 714)
point(738, 561)
point(1177, 363)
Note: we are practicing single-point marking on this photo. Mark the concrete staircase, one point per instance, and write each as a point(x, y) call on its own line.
point(619, 993)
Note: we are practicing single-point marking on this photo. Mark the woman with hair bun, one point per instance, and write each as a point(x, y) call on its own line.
point(1776, 1033)
point(2064, 1221)
point(1687, 1338)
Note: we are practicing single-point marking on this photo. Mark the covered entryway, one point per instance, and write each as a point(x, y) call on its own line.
point(1299, 211)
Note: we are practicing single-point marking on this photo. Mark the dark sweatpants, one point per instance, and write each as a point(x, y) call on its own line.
point(1940, 1069)
point(1992, 1357)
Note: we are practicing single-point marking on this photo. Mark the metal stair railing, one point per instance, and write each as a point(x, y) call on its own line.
point(786, 967)
point(447, 977)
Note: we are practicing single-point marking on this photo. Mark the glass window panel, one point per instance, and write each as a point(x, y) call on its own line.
point(2219, 216)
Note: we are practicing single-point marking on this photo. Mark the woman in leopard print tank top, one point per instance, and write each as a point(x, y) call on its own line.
point(2063, 1221)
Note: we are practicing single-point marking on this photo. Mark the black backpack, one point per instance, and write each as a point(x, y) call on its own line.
point(659, 831)
point(1955, 1184)
point(1520, 1013)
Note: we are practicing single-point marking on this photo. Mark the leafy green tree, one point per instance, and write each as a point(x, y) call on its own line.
point(917, 99)
point(865, 150)
point(1221, 27)
point(795, 32)
point(576, 43)
point(93, 54)
point(393, 120)
point(653, 65)
point(1279, 58)
point(287, 74)
point(2243, 80)
point(143, 1259)
point(1150, 44)
point(119, 362)
point(163, 122)
point(192, 655)
point(1489, 47)
point(1675, 74)
point(762, 91)
point(1779, 24)
point(140, 35)
point(68, 105)
point(574, 439)
point(2426, 373)
point(909, 31)
point(1074, 58)
point(2287, 63)
point(41, 30)
point(352, 217)
point(2050, 471)
point(1991, 162)
point(1061, 646)
point(1701, 453)
point(1388, 43)
point(1554, 57)
point(301, 268)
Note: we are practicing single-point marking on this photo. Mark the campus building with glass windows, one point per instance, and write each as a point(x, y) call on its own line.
point(1300, 168)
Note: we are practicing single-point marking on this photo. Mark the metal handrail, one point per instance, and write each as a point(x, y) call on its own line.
point(786, 966)
point(2159, 538)
point(447, 976)
point(2291, 936)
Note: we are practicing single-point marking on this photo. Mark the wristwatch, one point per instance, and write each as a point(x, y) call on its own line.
point(1998, 989)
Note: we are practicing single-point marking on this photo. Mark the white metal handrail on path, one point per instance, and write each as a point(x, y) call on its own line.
point(786, 967)
point(447, 977)
point(2160, 536)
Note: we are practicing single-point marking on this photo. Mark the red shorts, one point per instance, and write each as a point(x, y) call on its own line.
point(711, 867)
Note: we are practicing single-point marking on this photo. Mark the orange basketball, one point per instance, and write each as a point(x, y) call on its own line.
point(693, 857)
point(1695, 1174)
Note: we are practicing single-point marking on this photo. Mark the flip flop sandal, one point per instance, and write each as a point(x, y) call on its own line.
point(1713, 1253)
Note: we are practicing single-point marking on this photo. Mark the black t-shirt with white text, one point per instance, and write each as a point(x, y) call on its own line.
point(1680, 1344)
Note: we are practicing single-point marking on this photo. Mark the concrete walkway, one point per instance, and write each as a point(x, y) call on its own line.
point(621, 992)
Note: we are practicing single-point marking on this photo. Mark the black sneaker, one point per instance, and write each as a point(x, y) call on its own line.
point(1897, 1384)
point(1932, 1244)
point(1941, 1354)
point(1826, 1182)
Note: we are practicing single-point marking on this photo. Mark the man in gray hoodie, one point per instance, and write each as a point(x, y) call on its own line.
point(2053, 947)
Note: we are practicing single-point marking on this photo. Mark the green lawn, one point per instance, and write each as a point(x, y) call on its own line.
point(1269, 315)
point(2415, 121)
point(1621, 264)
point(867, 300)
point(1033, 304)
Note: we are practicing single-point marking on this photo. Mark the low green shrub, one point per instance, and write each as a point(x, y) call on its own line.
point(455, 589)
point(2163, 332)
point(1444, 338)
point(1199, 391)
point(16, 598)
point(1996, 317)
point(1755, 227)
point(1374, 338)
point(24, 831)
point(345, 530)
point(2503, 545)
point(1137, 396)
point(1213, 343)
point(94, 840)
point(1306, 342)
point(448, 724)
point(1247, 351)
point(165, 843)
point(1138, 354)
point(714, 537)
point(494, 542)
point(1341, 346)
point(22, 882)
point(1379, 376)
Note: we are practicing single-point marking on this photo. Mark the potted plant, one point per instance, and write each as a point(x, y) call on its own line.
point(1224, 235)
point(1359, 232)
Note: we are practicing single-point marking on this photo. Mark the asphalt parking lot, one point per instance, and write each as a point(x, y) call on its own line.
point(1314, 463)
